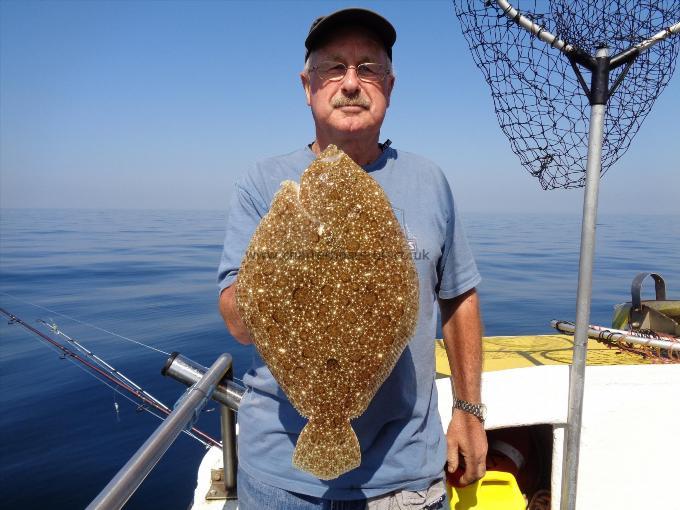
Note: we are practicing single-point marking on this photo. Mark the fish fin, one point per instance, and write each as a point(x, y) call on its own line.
point(327, 451)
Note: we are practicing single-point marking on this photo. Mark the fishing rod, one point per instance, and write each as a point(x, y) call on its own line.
point(93, 326)
point(112, 370)
point(100, 368)
point(665, 342)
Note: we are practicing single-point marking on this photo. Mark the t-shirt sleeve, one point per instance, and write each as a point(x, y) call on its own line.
point(456, 270)
point(243, 215)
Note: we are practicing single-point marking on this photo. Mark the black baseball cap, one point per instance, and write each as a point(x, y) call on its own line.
point(373, 21)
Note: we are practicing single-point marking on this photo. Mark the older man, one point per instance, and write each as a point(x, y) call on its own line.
point(348, 81)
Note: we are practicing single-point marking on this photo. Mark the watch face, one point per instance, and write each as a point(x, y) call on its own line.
point(482, 409)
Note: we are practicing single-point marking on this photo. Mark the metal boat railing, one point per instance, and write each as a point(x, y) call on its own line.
point(204, 384)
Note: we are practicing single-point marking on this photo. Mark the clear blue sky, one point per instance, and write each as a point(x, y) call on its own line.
point(160, 104)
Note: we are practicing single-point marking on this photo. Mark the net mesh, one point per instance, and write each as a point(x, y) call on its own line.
point(538, 99)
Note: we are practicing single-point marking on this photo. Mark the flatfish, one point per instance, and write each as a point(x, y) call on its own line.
point(329, 291)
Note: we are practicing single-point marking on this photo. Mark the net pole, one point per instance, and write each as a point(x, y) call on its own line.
point(584, 292)
point(535, 29)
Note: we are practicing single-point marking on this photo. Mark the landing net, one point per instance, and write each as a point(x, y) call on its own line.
point(538, 99)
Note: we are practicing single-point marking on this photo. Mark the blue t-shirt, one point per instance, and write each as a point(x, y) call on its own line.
point(402, 441)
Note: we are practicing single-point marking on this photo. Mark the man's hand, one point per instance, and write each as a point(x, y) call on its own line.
point(231, 316)
point(466, 447)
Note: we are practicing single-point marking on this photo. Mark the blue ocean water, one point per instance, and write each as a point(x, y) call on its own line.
point(150, 276)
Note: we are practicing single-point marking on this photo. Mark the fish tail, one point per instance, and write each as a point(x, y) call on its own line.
point(327, 450)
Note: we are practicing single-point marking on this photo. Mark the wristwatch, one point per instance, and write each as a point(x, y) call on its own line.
point(478, 410)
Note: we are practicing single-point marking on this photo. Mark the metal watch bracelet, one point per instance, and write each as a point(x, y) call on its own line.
point(477, 410)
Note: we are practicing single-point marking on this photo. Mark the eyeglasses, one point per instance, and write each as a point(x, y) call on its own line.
point(336, 71)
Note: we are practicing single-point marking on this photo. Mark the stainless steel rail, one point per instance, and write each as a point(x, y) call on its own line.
point(228, 427)
point(133, 473)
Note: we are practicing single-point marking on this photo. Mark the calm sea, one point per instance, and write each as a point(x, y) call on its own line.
point(150, 276)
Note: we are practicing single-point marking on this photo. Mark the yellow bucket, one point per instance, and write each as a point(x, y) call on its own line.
point(496, 491)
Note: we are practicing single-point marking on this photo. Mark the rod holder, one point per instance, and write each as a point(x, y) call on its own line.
point(229, 394)
point(186, 371)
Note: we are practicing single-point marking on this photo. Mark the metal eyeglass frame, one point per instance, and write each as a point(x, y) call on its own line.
point(386, 70)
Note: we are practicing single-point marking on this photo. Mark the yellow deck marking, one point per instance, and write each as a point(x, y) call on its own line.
point(503, 352)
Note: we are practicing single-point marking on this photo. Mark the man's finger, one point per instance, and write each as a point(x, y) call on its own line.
point(452, 463)
point(473, 473)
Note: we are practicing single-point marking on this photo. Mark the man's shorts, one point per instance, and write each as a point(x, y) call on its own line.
point(432, 498)
point(255, 495)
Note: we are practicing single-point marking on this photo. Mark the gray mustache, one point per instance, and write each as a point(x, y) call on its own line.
point(341, 101)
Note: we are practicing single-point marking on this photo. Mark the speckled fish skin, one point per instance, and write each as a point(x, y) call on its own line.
point(329, 291)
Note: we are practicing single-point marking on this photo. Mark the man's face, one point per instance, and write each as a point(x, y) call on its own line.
point(368, 101)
